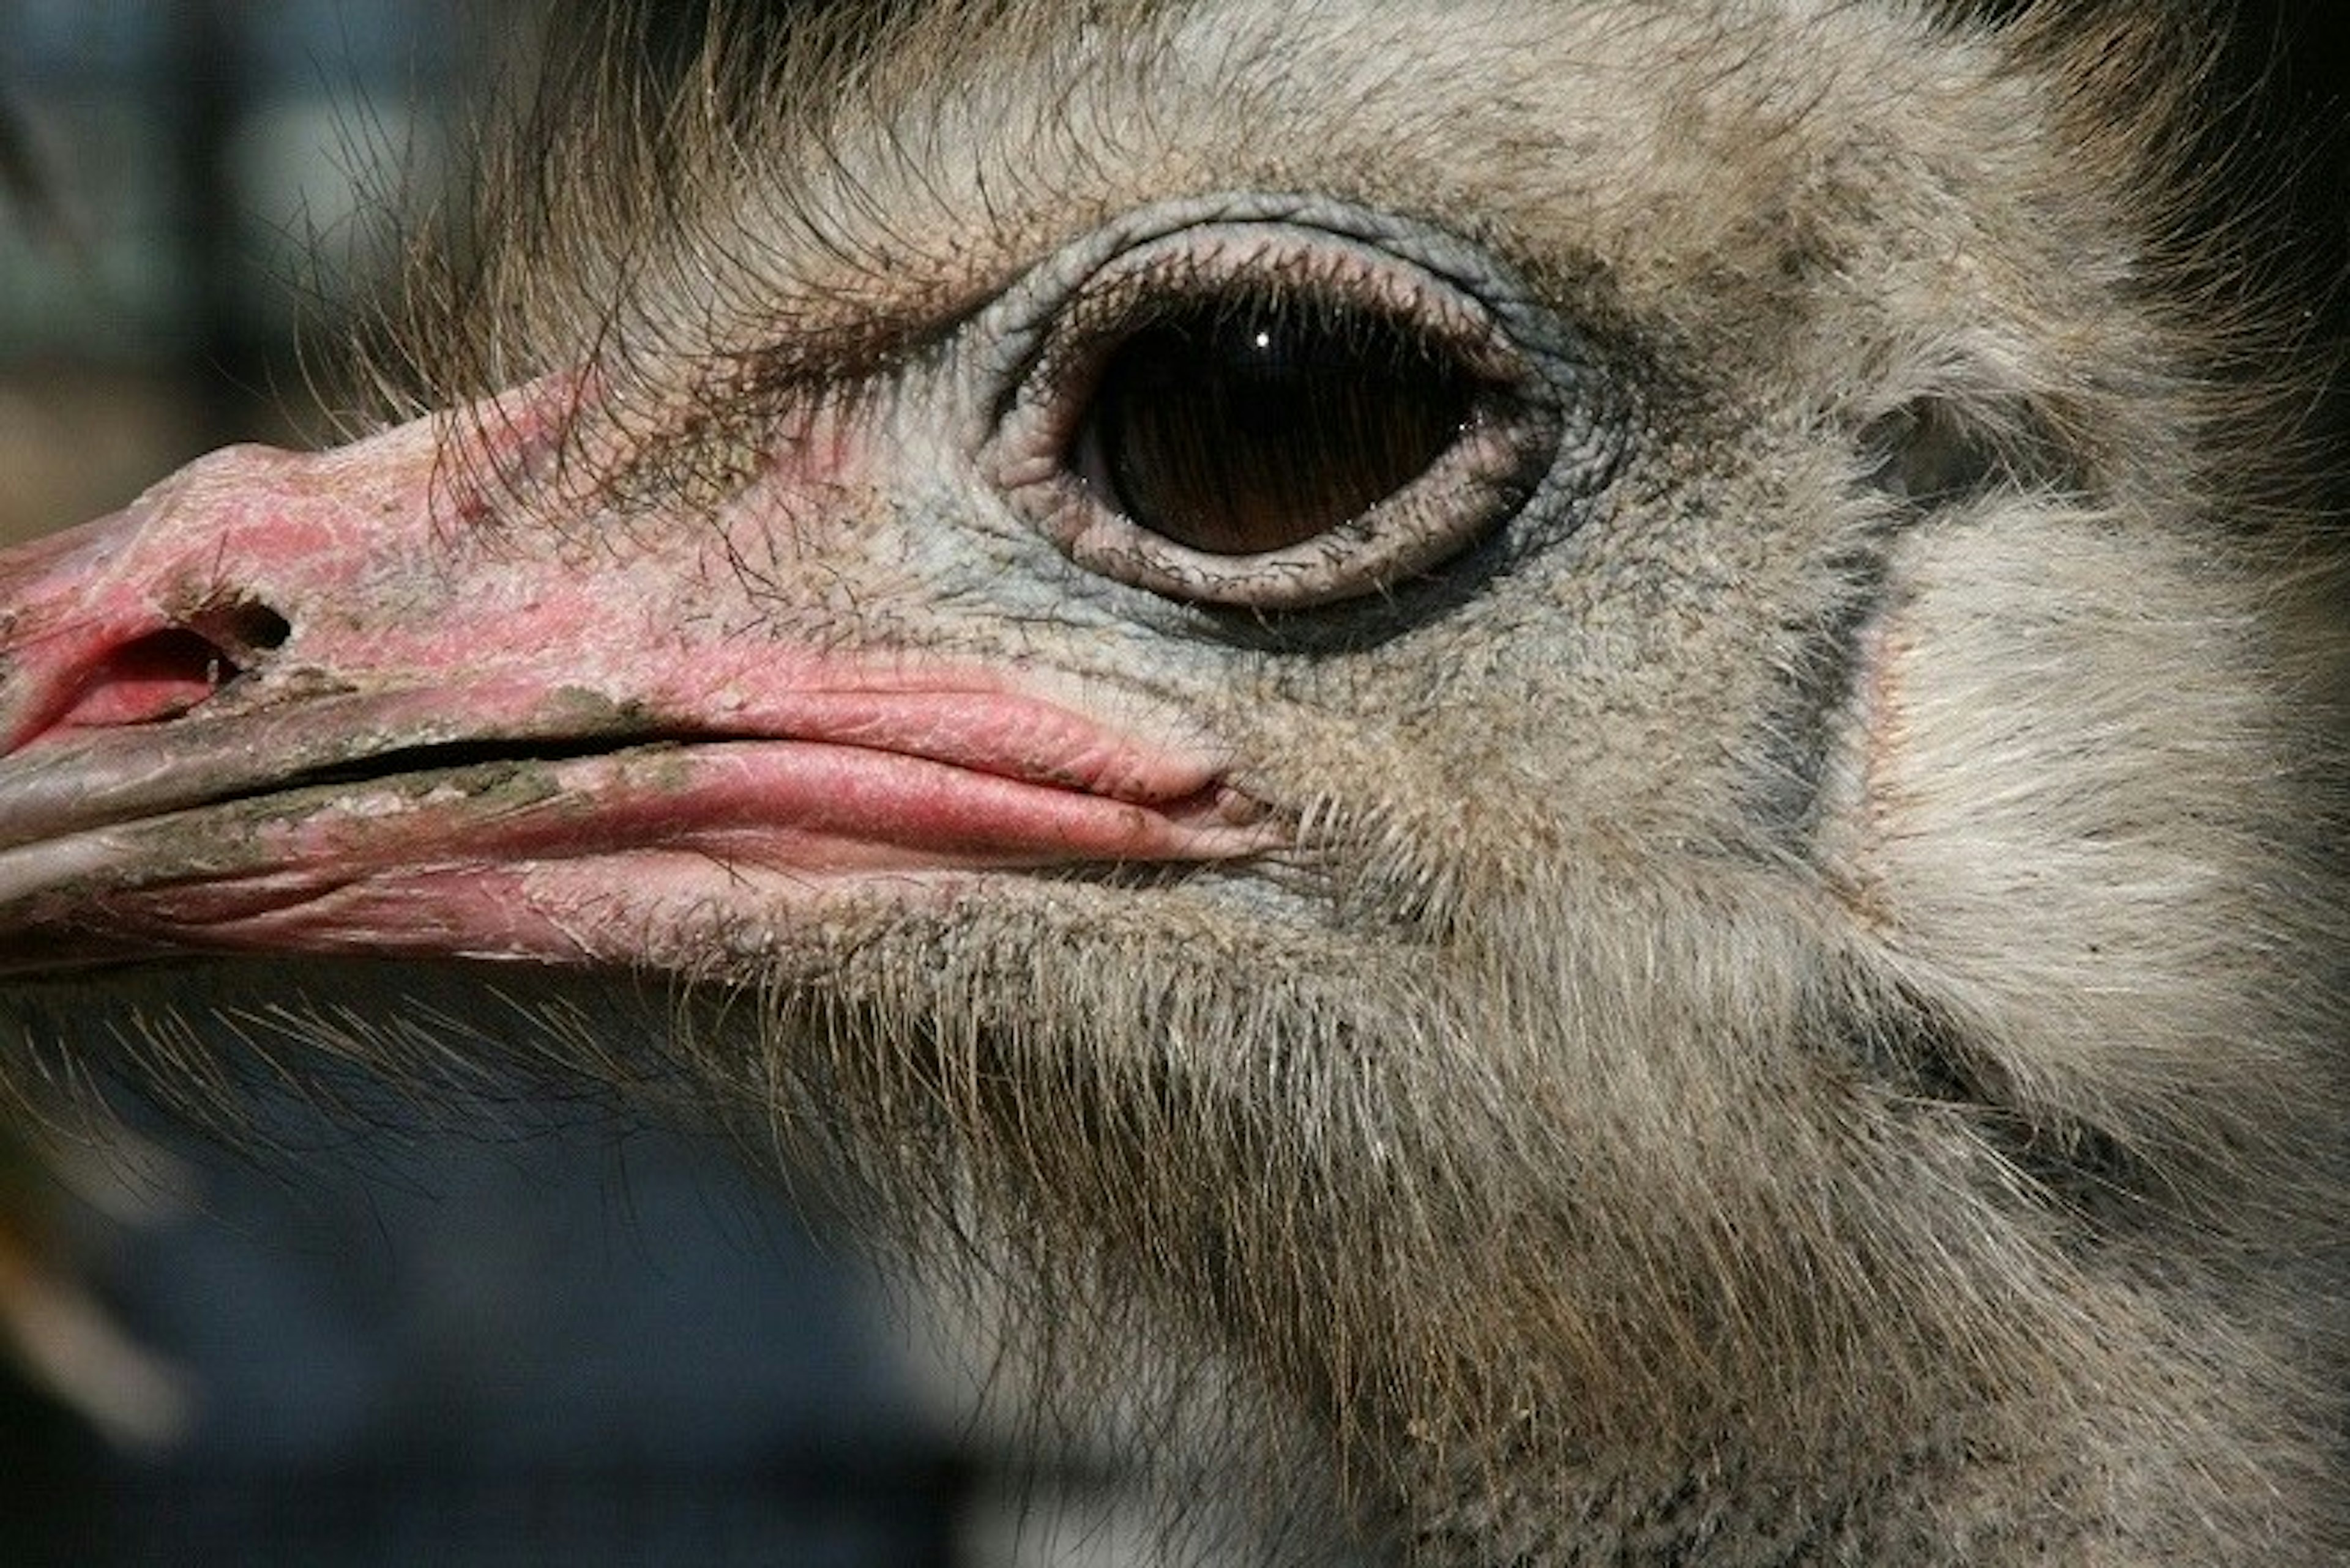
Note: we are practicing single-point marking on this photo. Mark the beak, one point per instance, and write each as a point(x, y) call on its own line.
point(348, 702)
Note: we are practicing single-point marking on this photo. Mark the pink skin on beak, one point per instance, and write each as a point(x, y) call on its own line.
point(323, 703)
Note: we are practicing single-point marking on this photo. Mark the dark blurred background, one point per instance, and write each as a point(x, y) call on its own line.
point(190, 192)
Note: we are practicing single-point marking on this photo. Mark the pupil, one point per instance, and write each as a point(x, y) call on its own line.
point(1238, 429)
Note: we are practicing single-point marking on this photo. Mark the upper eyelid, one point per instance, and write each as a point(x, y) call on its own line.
point(1010, 324)
point(1039, 355)
point(1117, 301)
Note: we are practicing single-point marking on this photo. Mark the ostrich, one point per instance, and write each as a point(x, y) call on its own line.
point(1589, 770)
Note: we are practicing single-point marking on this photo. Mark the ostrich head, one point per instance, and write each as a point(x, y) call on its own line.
point(1567, 728)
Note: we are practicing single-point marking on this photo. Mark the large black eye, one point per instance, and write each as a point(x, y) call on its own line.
point(1271, 415)
point(1242, 426)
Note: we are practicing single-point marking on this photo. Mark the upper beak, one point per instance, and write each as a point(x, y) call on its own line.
point(342, 701)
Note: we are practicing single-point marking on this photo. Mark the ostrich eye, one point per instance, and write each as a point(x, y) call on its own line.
point(1270, 416)
point(1246, 428)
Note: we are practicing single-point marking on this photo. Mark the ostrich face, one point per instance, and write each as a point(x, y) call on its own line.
point(1188, 487)
point(1599, 676)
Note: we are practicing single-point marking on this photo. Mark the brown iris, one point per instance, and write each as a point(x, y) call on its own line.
point(1240, 426)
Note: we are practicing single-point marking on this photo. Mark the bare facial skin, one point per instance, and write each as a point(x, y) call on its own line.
point(1597, 742)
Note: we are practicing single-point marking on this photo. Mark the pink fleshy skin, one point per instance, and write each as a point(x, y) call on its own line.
point(339, 703)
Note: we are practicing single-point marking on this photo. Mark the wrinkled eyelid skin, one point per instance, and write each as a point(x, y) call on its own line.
point(1032, 351)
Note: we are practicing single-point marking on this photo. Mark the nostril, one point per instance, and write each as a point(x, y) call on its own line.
point(158, 675)
point(96, 678)
point(244, 629)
